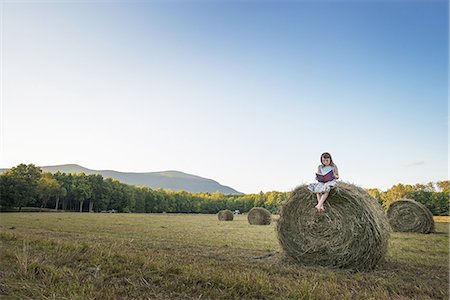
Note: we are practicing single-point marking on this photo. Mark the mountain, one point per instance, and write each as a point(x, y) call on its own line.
point(173, 180)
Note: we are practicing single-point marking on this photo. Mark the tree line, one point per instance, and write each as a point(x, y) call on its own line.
point(434, 195)
point(27, 186)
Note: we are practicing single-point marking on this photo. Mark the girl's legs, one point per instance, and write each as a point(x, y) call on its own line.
point(319, 196)
point(322, 199)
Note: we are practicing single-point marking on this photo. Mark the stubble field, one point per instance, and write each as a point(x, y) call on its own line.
point(181, 256)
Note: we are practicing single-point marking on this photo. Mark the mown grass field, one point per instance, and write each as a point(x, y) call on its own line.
point(165, 256)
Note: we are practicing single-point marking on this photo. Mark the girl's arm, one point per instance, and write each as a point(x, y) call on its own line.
point(318, 170)
point(336, 172)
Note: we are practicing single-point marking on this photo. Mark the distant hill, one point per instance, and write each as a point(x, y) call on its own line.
point(173, 180)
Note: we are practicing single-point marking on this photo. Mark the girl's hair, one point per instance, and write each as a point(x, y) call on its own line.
point(326, 155)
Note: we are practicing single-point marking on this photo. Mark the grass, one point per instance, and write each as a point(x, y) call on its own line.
point(165, 256)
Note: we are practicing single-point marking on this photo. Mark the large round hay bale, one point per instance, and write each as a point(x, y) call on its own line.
point(351, 233)
point(406, 215)
point(259, 216)
point(225, 215)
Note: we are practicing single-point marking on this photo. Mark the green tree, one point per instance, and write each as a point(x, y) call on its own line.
point(82, 189)
point(25, 184)
point(440, 201)
point(377, 194)
point(396, 192)
point(98, 189)
point(48, 187)
point(444, 186)
point(61, 193)
point(260, 200)
point(67, 193)
point(140, 199)
point(8, 191)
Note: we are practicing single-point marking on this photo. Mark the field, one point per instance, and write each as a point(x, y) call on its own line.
point(165, 256)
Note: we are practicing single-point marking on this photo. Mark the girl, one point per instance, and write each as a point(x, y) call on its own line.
point(322, 189)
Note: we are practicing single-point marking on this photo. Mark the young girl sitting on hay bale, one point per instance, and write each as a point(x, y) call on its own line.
point(327, 174)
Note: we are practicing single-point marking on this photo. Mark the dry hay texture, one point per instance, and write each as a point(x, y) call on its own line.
point(259, 216)
point(225, 215)
point(352, 233)
point(407, 215)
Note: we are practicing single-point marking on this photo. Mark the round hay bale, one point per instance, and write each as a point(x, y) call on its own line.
point(259, 216)
point(406, 215)
point(225, 215)
point(351, 233)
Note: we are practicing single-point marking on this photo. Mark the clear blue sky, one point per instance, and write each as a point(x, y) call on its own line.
point(248, 93)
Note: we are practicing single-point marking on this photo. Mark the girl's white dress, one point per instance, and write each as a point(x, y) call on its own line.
point(323, 187)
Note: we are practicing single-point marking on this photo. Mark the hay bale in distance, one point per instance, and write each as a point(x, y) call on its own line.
point(352, 233)
point(259, 216)
point(225, 215)
point(406, 215)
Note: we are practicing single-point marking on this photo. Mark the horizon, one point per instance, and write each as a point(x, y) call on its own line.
point(248, 94)
point(222, 184)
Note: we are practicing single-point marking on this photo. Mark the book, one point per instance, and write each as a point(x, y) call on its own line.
point(325, 177)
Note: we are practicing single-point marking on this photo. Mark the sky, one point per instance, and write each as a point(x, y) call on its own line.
point(247, 93)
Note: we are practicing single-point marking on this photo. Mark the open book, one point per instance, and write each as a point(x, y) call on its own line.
point(325, 177)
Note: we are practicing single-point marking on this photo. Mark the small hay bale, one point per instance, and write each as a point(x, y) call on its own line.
point(406, 215)
point(352, 233)
point(225, 215)
point(259, 216)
